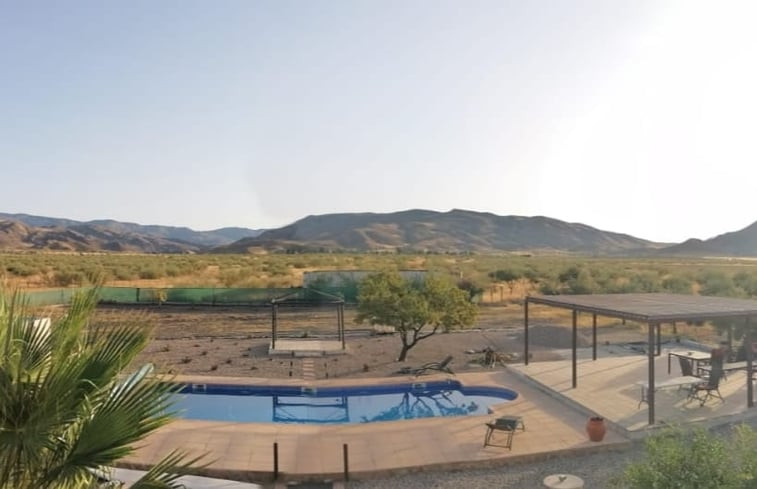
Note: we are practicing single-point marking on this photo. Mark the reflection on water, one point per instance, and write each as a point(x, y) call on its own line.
point(339, 405)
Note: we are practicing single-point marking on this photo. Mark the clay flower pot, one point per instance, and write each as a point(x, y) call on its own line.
point(595, 428)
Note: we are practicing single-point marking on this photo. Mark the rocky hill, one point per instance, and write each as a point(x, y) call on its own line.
point(135, 237)
point(737, 243)
point(453, 231)
point(15, 235)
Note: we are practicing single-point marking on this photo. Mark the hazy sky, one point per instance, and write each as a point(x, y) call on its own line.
point(630, 116)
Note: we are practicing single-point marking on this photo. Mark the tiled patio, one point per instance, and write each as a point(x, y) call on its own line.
point(244, 451)
point(607, 386)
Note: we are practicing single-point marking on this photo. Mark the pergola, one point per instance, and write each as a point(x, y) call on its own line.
point(654, 310)
point(307, 296)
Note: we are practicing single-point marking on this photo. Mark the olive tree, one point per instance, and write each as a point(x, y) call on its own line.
point(416, 309)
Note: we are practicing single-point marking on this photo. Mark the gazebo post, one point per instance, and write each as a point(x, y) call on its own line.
point(749, 362)
point(525, 333)
point(341, 324)
point(594, 336)
point(274, 328)
point(650, 380)
point(574, 346)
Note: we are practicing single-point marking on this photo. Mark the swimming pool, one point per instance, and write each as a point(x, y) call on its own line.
point(324, 405)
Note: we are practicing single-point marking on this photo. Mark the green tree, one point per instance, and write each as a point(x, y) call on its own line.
point(66, 412)
point(417, 310)
point(471, 288)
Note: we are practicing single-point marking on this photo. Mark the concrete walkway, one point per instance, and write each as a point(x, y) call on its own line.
point(244, 451)
point(129, 476)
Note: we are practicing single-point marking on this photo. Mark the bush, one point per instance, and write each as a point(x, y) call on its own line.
point(675, 459)
point(150, 273)
point(64, 278)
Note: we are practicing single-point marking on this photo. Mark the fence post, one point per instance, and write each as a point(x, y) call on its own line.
point(346, 462)
point(275, 461)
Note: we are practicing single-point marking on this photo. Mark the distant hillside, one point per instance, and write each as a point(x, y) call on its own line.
point(15, 235)
point(738, 243)
point(456, 230)
point(185, 237)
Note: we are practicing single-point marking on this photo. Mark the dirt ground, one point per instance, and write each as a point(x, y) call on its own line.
point(226, 341)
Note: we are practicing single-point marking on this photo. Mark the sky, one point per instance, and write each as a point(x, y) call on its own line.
point(630, 116)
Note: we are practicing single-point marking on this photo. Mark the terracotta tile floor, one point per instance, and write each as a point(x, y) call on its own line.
point(607, 387)
point(244, 451)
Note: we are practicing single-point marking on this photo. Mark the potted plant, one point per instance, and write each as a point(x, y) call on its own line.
point(596, 428)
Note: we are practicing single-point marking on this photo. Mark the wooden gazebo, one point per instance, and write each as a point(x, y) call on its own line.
point(654, 310)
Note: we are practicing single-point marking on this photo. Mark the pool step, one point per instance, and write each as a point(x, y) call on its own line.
point(308, 369)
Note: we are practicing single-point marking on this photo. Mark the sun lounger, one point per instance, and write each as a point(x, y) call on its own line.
point(678, 382)
point(507, 424)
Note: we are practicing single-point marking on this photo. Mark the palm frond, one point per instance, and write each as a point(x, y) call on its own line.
point(64, 412)
point(165, 473)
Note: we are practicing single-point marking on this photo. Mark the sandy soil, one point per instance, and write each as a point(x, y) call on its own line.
point(234, 341)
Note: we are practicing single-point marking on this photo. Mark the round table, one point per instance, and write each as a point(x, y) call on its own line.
point(563, 481)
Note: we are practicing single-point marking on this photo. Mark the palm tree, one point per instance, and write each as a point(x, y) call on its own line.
point(67, 413)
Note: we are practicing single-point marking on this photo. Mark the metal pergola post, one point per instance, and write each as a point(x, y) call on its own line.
point(650, 380)
point(525, 333)
point(574, 346)
point(748, 349)
point(593, 336)
point(659, 339)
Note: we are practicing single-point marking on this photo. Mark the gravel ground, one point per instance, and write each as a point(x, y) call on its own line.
point(597, 471)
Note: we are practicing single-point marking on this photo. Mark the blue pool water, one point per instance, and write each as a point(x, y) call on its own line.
point(363, 404)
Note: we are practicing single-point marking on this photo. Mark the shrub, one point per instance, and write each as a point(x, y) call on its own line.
point(676, 459)
point(64, 278)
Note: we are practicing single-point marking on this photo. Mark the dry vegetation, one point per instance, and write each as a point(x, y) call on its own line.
point(234, 340)
point(501, 277)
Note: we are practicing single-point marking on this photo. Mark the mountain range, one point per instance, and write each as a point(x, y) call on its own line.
point(24, 231)
point(453, 231)
point(411, 230)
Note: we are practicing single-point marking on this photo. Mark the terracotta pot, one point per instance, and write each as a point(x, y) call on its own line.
point(595, 428)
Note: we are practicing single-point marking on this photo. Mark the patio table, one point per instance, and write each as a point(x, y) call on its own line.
point(695, 356)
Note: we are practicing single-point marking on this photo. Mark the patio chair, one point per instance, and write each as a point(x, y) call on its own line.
point(687, 367)
point(704, 391)
point(507, 424)
point(442, 366)
point(715, 364)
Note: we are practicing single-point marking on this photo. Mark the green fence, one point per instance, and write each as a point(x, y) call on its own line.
point(190, 296)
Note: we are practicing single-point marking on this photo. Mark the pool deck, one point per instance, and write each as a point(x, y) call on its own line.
point(608, 387)
point(244, 451)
